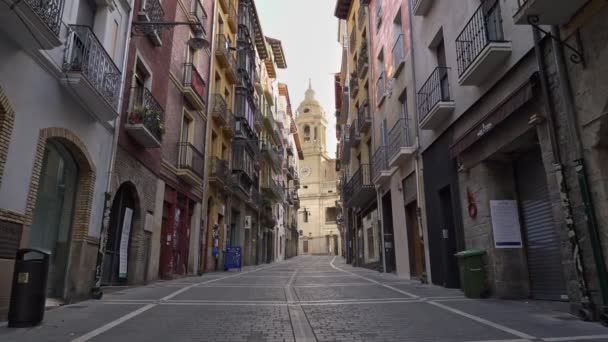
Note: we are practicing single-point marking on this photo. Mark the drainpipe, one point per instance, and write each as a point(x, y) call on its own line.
point(96, 292)
point(417, 162)
point(203, 251)
point(579, 162)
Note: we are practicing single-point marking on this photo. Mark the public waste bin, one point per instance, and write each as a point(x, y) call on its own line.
point(473, 273)
point(28, 294)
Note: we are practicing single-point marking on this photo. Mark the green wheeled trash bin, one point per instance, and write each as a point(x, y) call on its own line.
point(28, 294)
point(473, 273)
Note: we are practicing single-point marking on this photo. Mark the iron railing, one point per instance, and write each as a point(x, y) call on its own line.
point(230, 126)
point(354, 83)
point(361, 16)
point(150, 114)
point(398, 51)
point(364, 119)
point(194, 80)
point(398, 137)
point(271, 186)
point(380, 87)
point(353, 39)
point(190, 158)
point(355, 137)
point(86, 55)
point(271, 153)
point(362, 179)
point(199, 14)
point(223, 49)
point(49, 11)
point(483, 28)
point(379, 161)
point(436, 89)
point(243, 158)
point(363, 61)
point(220, 108)
point(153, 10)
point(220, 169)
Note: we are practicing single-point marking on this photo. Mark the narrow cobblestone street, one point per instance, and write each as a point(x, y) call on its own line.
point(304, 299)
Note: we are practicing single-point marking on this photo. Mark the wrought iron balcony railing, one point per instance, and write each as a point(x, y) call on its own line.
point(199, 15)
point(273, 188)
point(224, 52)
point(190, 159)
point(355, 137)
point(220, 171)
point(362, 180)
point(219, 110)
point(398, 137)
point(379, 161)
point(398, 52)
point(49, 11)
point(193, 79)
point(380, 85)
point(147, 111)
point(86, 55)
point(482, 29)
point(353, 40)
point(364, 119)
point(271, 153)
point(363, 61)
point(354, 84)
point(436, 89)
point(152, 11)
point(361, 16)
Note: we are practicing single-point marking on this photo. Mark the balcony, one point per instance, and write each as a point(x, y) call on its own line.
point(145, 120)
point(195, 88)
point(33, 24)
point(353, 40)
point(233, 19)
point(422, 7)
point(480, 47)
point(435, 104)
point(364, 119)
point(91, 74)
point(152, 11)
point(220, 173)
point(198, 15)
point(291, 172)
point(548, 12)
point(380, 91)
point(380, 170)
point(401, 146)
point(225, 58)
point(219, 111)
point(353, 84)
point(272, 189)
point(355, 137)
point(363, 61)
point(362, 16)
point(243, 159)
point(255, 198)
point(271, 154)
point(398, 56)
point(363, 190)
point(230, 126)
point(190, 164)
point(259, 120)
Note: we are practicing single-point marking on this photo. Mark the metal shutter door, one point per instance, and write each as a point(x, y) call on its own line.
point(542, 243)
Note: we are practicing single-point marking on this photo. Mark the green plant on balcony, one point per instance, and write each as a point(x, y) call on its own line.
point(147, 116)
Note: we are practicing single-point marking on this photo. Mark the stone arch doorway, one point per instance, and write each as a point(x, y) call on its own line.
point(117, 265)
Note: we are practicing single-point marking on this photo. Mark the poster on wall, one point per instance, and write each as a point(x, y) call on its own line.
point(505, 224)
point(124, 243)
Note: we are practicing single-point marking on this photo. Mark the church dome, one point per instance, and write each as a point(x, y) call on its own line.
point(310, 105)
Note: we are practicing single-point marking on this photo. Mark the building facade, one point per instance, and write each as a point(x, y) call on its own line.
point(56, 150)
point(489, 125)
point(317, 219)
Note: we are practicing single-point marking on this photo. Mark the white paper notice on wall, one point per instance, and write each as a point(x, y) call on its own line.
point(505, 224)
point(124, 243)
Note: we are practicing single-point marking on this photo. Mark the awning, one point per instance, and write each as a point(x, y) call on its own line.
point(342, 9)
point(277, 51)
point(503, 110)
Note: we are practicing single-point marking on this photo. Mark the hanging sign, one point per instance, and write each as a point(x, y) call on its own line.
point(505, 224)
point(124, 243)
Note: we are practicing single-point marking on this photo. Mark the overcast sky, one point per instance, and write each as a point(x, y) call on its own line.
point(308, 30)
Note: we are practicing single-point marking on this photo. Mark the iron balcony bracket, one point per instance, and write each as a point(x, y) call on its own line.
point(576, 56)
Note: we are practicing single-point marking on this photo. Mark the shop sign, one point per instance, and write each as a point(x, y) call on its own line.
point(505, 224)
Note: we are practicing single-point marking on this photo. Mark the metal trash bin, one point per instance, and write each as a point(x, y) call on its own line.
point(473, 273)
point(28, 294)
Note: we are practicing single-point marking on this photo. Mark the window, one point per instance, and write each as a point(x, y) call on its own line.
point(305, 246)
point(141, 81)
point(114, 46)
point(306, 133)
point(187, 127)
point(306, 213)
point(330, 215)
point(316, 134)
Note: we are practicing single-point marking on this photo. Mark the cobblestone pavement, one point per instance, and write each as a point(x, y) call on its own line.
point(303, 299)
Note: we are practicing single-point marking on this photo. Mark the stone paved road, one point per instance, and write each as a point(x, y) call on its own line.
point(303, 299)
